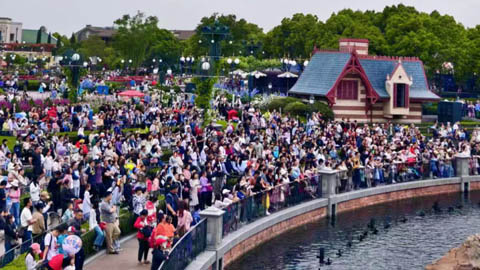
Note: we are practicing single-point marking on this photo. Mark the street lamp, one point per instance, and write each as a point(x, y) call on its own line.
point(206, 66)
point(75, 57)
point(237, 61)
point(305, 63)
point(229, 61)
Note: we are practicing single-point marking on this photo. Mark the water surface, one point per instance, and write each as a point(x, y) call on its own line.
point(410, 235)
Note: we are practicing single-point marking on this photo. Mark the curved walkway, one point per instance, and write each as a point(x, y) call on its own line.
point(126, 260)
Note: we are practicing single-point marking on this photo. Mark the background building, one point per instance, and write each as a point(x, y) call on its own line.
point(105, 33)
point(10, 32)
point(365, 87)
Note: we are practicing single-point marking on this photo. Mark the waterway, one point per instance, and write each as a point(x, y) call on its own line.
point(407, 234)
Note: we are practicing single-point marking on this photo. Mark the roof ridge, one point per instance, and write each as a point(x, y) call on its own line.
point(390, 58)
point(329, 51)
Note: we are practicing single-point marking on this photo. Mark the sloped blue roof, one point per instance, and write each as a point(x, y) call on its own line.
point(377, 71)
point(321, 73)
point(325, 67)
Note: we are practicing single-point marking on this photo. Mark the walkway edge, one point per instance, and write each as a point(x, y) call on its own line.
point(104, 251)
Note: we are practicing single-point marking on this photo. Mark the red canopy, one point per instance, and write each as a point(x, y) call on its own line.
point(131, 93)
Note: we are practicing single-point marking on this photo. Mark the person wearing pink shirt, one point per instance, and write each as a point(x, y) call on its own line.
point(14, 195)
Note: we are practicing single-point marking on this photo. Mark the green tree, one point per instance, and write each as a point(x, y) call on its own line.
point(94, 46)
point(73, 40)
point(137, 36)
point(294, 37)
point(39, 36)
point(241, 34)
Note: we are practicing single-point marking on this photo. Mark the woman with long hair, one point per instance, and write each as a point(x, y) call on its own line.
point(30, 261)
point(184, 219)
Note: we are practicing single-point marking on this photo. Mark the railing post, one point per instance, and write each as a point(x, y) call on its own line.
point(463, 170)
point(329, 188)
point(214, 218)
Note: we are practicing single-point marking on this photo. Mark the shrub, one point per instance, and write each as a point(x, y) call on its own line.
point(297, 108)
point(322, 108)
point(280, 103)
point(202, 102)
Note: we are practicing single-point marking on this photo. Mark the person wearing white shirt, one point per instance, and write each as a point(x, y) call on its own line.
point(35, 191)
point(26, 219)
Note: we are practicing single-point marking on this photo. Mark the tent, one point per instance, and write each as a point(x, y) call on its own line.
point(131, 93)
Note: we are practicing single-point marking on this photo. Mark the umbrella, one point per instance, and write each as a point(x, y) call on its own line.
point(131, 93)
point(257, 74)
point(287, 74)
point(239, 72)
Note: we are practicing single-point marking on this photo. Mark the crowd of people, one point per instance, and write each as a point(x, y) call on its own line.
point(130, 153)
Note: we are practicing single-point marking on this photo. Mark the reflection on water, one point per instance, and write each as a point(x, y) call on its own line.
point(411, 234)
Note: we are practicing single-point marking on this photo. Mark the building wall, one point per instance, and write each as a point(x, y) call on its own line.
point(382, 110)
point(9, 28)
point(355, 109)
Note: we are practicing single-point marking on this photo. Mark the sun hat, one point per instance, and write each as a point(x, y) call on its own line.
point(45, 194)
point(36, 248)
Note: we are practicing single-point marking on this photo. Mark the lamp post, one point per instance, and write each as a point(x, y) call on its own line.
point(74, 62)
point(123, 65)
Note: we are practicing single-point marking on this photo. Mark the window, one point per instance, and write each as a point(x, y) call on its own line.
point(348, 89)
point(401, 97)
point(12, 37)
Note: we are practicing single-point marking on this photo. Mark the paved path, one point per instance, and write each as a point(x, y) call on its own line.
point(126, 260)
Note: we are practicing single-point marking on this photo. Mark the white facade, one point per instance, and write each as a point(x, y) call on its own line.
point(10, 32)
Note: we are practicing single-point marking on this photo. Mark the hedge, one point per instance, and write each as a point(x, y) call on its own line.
point(32, 84)
point(296, 107)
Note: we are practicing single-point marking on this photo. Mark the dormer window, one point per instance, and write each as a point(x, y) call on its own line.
point(401, 95)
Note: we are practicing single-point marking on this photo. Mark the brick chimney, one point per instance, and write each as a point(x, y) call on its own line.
point(352, 44)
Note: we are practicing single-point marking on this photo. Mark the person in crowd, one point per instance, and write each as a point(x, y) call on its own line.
point(139, 201)
point(68, 214)
point(38, 227)
point(171, 201)
point(27, 220)
point(144, 232)
point(3, 196)
point(11, 236)
point(158, 254)
point(93, 221)
point(14, 195)
point(184, 219)
point(50, 244)
point(76, 223)
point(109, 216)
point(30, 260)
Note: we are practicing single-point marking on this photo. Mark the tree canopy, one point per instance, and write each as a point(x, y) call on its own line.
point(397, 30)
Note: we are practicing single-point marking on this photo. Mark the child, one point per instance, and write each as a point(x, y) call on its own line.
point(68, 215)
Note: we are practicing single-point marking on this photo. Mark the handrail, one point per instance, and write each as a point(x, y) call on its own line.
point(182, 240)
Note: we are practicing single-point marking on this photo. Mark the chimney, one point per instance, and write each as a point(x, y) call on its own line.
point(352, 44)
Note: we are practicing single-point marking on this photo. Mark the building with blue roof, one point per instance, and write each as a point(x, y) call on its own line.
point(364, 87)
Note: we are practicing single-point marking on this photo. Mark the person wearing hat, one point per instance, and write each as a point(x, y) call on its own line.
point(158, 254)
point(34, 251)
point(108, 214)
point(172, 202)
